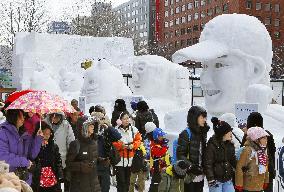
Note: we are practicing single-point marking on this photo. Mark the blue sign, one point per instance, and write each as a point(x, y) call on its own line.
point(59, 27)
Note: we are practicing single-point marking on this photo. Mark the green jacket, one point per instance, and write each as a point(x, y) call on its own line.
point(169, 182)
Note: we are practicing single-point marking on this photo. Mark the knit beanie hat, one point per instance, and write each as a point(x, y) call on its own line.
point(86, 124)
point(254, 120)
point(158, 132)
point(255, 133)
point(221, 128)
point(229, 118)
point(180, 169)
point(149, 127)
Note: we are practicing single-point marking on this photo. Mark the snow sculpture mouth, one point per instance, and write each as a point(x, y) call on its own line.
point(212, 92)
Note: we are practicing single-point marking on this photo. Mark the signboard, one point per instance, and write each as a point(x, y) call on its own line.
point(59, 27)
point(82, 103)
point(242, 111)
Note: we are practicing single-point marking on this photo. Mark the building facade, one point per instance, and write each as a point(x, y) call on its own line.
point(139, 17)
point(181, 21)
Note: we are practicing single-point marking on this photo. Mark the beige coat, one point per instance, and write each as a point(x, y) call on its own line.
point(250, 179)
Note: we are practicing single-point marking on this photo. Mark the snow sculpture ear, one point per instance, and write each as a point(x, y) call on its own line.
point(257, 70)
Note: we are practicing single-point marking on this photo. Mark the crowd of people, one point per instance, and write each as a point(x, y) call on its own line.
point(85, 151)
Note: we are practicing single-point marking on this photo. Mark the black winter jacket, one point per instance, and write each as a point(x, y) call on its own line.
point(48, 156)
point(142, 118)
point(219, 160)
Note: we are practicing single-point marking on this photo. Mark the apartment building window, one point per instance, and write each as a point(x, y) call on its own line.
point(209, 12)
point(141, 26)
point(172, 2)
point(249, 4)
point(176, 44)
point(171, 23)
point(166, 35)
point(182, 31)
point(183, 20)
point(277, 23)
point(177, 9)
point(177, 33)
point(145, 34)
point(277, 35)
point(171, 34)
point(182, 43)
point(258, 6)
point(218, 10)
point(189, 18)
point(128, 14)
point(267, 21)
point(202, 2)
point(177, 1)
point(203, 14)
point(166, 24)
point(209, 1)
point(189, 42)
point(196, 15)
point(166, 13)
point(141, 35)
point(196, 3)
point(277, 8)
point(183, 8)
point(166, 2)
point(195, 40)
point(195, 28)
point(136, 20)
point(226, 8)
point(189, 6)
point(267, 7)
point(172, 11)
point(177, 21)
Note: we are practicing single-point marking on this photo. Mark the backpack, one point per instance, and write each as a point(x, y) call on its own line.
point(114, 156)
point(175, 145)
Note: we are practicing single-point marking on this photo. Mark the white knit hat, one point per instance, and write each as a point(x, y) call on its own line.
point(149, 127)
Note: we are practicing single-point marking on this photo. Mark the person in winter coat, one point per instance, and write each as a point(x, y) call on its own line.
point(238, 134)
point(219, 159)
point(48, 170)
point(18, 149)
point(75, 104)
point(63, 133)
point(160, 157)
point(252, 168)
point(31, 121)
point(119, 107)
point(106, 136)
point(191, 148)
point(172, 177)
point(138, 169)
point(9, 182)
point(2, 117)
point(82, 160)
point(144, 115)
point(255, 119)
point(63, 136)
point(73, 119)
point(127, 146)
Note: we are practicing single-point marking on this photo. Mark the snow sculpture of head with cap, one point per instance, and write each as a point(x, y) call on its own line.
point(236, 53)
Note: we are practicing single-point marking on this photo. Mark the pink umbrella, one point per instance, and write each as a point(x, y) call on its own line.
point(41, 102)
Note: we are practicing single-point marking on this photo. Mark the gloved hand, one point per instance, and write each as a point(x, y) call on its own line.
point(265, 186)
point(239, 188)
point(86, 167)
point(195, 170)
point(212, 183)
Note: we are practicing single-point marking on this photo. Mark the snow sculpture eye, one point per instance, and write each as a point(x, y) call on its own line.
point(219, 65)
point(205, 66)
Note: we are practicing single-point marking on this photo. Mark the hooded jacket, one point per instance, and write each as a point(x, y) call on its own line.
point(17, 150)
point(63, 135)
point(143, 117)
point(189, 149)
point(247, 171)
point(48, 156)
point(81, 161)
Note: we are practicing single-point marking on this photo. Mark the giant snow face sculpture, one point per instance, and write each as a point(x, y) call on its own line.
point(156, 77)
point(103, 82)
point(236, 52)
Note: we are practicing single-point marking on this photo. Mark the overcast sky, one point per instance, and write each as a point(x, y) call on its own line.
point(59, 8)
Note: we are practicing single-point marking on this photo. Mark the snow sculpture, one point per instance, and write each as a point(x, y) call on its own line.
point(103, 82)
point(156, 77)
point(236, 52)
